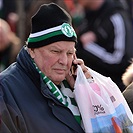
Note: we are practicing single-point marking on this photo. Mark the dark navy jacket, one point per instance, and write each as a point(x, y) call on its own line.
point(27, 105)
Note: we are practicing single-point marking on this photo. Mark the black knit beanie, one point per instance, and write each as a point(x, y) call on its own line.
point(50, 24)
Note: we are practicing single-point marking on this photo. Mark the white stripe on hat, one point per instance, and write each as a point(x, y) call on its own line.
point(40, 33)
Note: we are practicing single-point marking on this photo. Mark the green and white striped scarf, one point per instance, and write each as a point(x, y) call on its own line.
point(64, 95)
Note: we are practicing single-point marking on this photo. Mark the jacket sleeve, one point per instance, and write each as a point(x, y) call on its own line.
point(7, 124)
point(110, 40)
point(8, 117)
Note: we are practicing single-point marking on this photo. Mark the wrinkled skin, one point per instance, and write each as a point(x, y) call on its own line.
point(55, 61)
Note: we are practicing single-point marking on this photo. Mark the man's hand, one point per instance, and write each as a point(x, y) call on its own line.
point(71, 77)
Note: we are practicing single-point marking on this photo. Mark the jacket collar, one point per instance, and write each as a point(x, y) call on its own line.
point(24, 62)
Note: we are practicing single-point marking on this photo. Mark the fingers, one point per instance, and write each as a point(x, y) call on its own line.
point(84, 68)
point(87, 74)
point(71, 78)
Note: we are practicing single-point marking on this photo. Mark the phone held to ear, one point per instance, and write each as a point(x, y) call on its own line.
point(73, 70)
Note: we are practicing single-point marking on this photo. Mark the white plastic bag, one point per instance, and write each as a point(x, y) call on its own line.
point(102, 105)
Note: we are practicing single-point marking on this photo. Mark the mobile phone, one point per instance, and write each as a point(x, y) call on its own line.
point(73, 70)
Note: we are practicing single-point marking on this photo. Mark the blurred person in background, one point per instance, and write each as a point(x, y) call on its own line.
point(9, 45)
point(128, 6)
point(127, 79)
point(105, 38)
point(8, 12)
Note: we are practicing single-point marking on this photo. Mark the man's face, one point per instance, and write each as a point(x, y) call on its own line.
point(55, 60)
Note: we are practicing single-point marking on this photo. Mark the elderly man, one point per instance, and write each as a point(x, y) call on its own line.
point(36, 92)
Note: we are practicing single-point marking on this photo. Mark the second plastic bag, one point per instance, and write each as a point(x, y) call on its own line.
point(102, 105)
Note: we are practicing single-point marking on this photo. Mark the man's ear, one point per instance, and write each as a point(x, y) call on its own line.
point(31, 52)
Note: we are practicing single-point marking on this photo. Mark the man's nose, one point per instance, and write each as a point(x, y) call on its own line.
point(63, 59)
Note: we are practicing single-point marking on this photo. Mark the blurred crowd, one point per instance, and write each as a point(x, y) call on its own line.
point(94, 28)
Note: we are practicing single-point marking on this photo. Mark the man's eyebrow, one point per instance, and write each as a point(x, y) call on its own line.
point(58, 47)
point(55, 47)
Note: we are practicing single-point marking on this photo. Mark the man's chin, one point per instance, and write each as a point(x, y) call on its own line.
point(58, 79)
